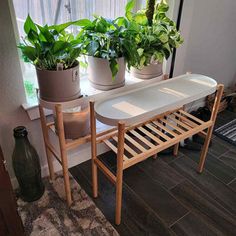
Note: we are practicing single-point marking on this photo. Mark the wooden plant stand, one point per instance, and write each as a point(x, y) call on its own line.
point(134, 143)
point(64, 144)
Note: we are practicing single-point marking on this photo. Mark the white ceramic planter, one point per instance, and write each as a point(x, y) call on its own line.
point(100, 75)
point(148, 72)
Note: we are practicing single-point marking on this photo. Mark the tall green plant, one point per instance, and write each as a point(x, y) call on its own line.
point(157, 35)
point(50, 47)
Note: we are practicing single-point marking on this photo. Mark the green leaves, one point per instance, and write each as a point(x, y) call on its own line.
point(46, 35)
point(92, 48)
point(163, 37)
point(154, 34)
point(45, 46)
point(83, 23)
point(129, 6)
point(29, 53)
point(59, 46)
point(162, 7)
point(140, 18)
point(29, 25)
point(114, 68)
point(140, 51)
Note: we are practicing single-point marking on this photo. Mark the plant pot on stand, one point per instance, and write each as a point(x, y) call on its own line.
point(100, 75)
point(148, 72)
point(60, 85)
point(76, 121)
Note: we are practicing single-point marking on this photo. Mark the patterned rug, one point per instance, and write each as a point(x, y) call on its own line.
point(227, 132)
point(50, 215)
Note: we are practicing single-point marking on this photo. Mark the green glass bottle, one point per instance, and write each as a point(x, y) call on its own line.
point(26, 165)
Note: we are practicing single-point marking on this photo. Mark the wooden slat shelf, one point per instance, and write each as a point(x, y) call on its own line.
point(158, 135)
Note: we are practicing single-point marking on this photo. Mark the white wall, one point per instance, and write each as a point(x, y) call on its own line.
point(209, 30)
point(12, 93)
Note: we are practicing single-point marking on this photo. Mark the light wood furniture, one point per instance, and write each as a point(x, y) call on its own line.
point(146, 125)
point(65, 145)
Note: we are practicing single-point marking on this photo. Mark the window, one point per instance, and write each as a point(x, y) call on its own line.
point(57, 12)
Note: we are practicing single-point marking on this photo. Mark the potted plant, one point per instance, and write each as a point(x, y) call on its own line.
point(108, 45)
point(54, 53)
point(156, 38)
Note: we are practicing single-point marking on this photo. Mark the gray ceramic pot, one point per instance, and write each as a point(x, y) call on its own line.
point(148, 72)
point(59, 86)
point(100, 75)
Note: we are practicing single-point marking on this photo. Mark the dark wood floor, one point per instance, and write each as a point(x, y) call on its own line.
point(167, 196)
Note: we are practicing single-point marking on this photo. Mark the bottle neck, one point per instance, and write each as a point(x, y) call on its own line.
point(22, 141)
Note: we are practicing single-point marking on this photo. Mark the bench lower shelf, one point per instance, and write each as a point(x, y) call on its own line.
point(149, 138)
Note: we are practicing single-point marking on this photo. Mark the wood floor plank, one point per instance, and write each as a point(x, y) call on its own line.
point(207, 183)
point(109, 159)
point(158, 199)
point(167, 156)
point(227, 116)
point(218, 168)
point(232, 185)
point(229, 158)
point(226, 144)
point(161, 172)
point(205, 208)
point(217, 148)
point(136, 215)
point(193, 225)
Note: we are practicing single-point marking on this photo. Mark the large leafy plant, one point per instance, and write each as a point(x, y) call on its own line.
point(157, 35)
point(50, 47)
point(109, 39)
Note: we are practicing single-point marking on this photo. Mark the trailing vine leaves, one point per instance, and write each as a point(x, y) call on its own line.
point(156, 34)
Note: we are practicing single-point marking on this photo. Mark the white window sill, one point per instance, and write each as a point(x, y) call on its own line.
point(86, 90)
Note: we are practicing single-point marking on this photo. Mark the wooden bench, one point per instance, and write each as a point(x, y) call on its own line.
point(149, 120)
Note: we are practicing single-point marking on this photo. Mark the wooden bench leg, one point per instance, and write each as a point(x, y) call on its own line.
point(62, 142)
point(93, 150)
point(154, 156)
point(176, 146)
point(176, 149)
point(46, 142)
point(205, 149)
point(119, 172)
point(210, 129)
point(66, 180)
